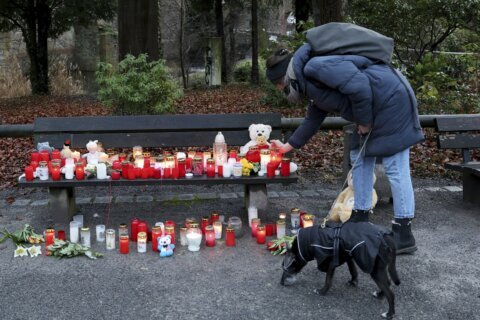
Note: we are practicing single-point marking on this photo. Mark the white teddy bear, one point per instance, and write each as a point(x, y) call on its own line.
point(259, 134)
point(93, 155)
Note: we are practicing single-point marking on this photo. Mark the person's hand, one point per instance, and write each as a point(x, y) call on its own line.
point(363, 129)
point(283, 147)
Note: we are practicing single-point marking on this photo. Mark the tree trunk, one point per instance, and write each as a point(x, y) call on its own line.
point(325, 11)
point(302, 10)
point(182, 34)
point(221, 34)
point(232, 51)
point(255, 79)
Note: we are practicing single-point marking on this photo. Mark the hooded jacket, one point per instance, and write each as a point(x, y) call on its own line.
point(361, 91)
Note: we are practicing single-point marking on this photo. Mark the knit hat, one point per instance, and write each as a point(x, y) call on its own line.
point(277, 65)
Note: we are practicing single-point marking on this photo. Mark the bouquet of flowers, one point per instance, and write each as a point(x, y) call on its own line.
point(249, 168)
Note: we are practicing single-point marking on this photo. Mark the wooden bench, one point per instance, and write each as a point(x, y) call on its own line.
point(462, 132)
point(152, 131)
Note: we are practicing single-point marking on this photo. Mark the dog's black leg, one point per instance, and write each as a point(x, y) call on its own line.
point(328, 281)
point(353, 272)
point(380, 277)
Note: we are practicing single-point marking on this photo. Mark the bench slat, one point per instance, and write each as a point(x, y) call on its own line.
point(138, 182)
point(472, 167)
point(458, 123)
point(150, 139)
point(459, 141)
point(154, 123)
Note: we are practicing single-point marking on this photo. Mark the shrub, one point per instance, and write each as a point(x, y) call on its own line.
point(274, 97)
point(137, 86)
point(243, 69)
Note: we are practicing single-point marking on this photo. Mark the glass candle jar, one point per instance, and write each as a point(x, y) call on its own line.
point(49, 239)
point(281, 228)
point(182, 167)
point(142, 227)
point(125, 167)
point(69, 171)
point(264, 159)
point(227, 170)
point(236, 224)
point(209, 236)
point(210, 168)
point(142, 242)
point(230, 236)
point(295, 220)
point(252, 213)
point(269, 229)
point(197, 166)
point(214, 216)
point(146, 160)
point(85, 237)
point(170, 230)
point(79, 170)
point(42, 170)
point(261, 234)
point(134, 229)
point(255, 223)
point(55, 170)
point(183, 236)
point(61, 235)
point(124, 244)
point(122, 230)
point(156, 233)
point(29, 173)
point(74, 231)
point(217, 227)
point(139, 161)
point(110, 237)
point(194, 237)
point(205, 222)
point(237, 170)
point(169, 162)
point(79, 219)
point(206, 155)
point(100, 232)
point(190, 220)
point(307, 220)
point(137, 151)
point(285, 169)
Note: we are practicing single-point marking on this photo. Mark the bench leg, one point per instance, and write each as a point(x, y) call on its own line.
point(61, 204)
point(256, 196)
point(471, 188)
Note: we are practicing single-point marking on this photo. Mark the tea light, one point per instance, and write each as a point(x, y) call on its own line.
point(85, 236)
point(183, 236)
point(110, 236)
point(49, 239)
point(307, 220)
point(282, 216)
point(142, 242)
point(124, 245)
point(264, 159)
point(100, 232)
point(209, 236)
point(261, 234)
point(254, 224)
point(230, 236)
point(156, 233)
point(217, 227)
point(281, 228)
point(74, 228)
point(78, 218)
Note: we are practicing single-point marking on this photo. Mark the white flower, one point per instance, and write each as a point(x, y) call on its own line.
point(35, 251)
point(20, 252)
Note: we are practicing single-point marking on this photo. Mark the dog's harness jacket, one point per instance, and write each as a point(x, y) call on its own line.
point(361, 240)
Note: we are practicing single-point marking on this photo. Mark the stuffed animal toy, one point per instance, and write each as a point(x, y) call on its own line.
point(342, 210)
point(93, 155)
point(165, 246)
point(66, 153)
point(259, 135)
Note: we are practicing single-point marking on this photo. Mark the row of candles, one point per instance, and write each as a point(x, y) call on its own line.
point(191, 234)
point(145, 166)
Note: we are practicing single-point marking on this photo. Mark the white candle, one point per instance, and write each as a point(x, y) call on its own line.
point(69, 170)
point(252, 214)
point(101, 171)
point(100, 232)
point(194, 239)
point(85, 237)
point(110, 239)
point(79, 219)
point(280, 229)
point(74, 226)
point(217, 227)
point(227, 170)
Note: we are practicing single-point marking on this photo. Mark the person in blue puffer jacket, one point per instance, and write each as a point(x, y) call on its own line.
point(375, 96)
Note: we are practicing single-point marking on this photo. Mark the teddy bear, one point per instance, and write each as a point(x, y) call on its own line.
point(93, 155)
point(66, 153)
point(165, 246)
point(259, 135)
point(343, 205)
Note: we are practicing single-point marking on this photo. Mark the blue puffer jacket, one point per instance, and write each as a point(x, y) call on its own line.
point(361, 91)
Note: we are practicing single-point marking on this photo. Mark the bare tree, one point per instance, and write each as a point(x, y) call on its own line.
point(325, 11)
point(255, 77)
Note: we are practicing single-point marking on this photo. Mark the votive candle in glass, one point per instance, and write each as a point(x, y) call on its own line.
point(131, 172)
point(56, 154)
point(42, 170)
point(115, 175)
point(197, 166)
point(271, 167)
point(79, 219)
point(209, 236)
point(230, 236)
point(206, 155)
point(110, 239)
point(214, 216)
point(142, 242)
point(61, 235)
point(156, 233)
point(205, 222)
point(35, 156)
point(182, 169)
point(137, 151)
point(133, 229)
point(261, 234)
point(44, 156)
point(307, 220)
point(85, 237)
point(269, 229)
point(29, 173)
point(139, 161)
point(170, 230)
point(285, 168)
point(236, 224)
point(124, 245)
point(122, 230)
point(217, 227)
point(194, 237)
point(49, 239)
point(79, 171)
point(100, 232)
point(125, 168)
point(281, 228)
point(74, 229)
point(210, 168)
point(183, 236)
point(295, 220)
point(142, 227)
point(255, 222)
point(264, 159)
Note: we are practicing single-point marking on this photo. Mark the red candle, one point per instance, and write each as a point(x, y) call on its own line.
point(55, 171)
point(150, 172)
point(138, 172)
point(157, 174)
point(133, 229)
point(214, 216)
point(182, 168)
point(115, 175)
point(131, 172)
point(44, 156)
point(255, 223)
point(175, 172)
point(79, 171)
point(61, 235)
point(301, 218)
point(285, 169)
point(125, 167)
point(144, 173)
point(56, 155)
point(253, 154)
point(167, 173)
point(233, 154)
point(230, 237)
point(49, 239)
point(220, 170)
point(116, 165)
point(210, 168)
point(188, 164)
point(141, 227)
point(29, 173)
point(209, 236)
point(35, 156)
point(156, 233)
point(124, 245)
point(146, 162)
point(271, 166)
point(204, 224)
point(261, 234)
point(275, 156)
point(34, 164)
point(269, 229)
point(170, 230)
point(122, 157)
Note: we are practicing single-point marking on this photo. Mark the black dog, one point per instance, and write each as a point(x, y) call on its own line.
point(370, 246)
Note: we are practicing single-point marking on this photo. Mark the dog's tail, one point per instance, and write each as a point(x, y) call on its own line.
point(392, 269)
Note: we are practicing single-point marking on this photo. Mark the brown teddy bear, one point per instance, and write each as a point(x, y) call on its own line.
point(343, 205)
